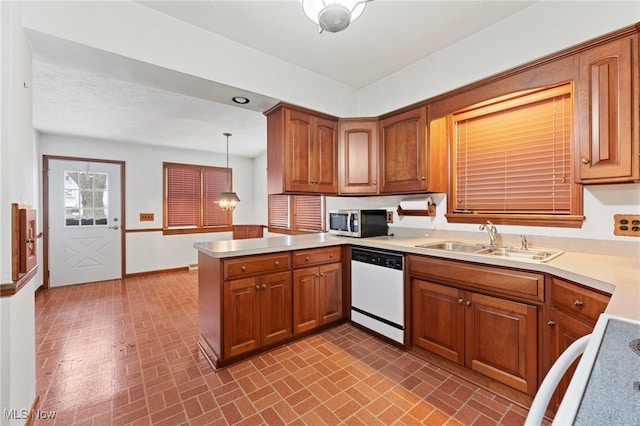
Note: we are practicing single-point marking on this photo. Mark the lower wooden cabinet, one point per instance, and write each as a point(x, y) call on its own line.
point(317, 296)
point(257, 312)
point(573, 314)
point(490, 335)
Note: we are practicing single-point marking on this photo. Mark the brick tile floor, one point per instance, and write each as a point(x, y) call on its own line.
point(124, 352)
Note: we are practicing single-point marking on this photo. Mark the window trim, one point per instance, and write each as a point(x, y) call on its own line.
point(199, 228)
point(574, 219)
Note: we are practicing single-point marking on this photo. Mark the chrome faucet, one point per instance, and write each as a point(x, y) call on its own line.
point(492, 231)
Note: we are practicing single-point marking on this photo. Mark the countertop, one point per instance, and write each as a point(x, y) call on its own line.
point(616, 275)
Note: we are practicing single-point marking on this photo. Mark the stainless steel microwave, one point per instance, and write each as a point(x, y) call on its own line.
point(358, 223)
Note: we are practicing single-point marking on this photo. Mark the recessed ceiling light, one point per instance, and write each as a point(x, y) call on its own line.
point(240, 100)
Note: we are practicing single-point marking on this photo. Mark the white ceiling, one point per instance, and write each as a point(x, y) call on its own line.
point(105, 103)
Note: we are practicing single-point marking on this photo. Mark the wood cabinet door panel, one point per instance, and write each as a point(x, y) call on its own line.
point(563, 331)
point(299, 133)
point(324, 157)
point(241, 317)
point(305, 299)
point(605, 102)
point(501, 341)
point(275, 304)
point(403, 159)
point(358, 164)
point(330, 293)
point(438, 319)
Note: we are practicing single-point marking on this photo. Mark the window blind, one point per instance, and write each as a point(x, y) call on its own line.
point(190, 191)
point(182, 197)
point(515, 156)
point(279, 211)
point(308, 213)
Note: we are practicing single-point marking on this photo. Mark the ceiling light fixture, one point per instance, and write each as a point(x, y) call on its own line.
point(240, 100)
point(227, 200)
point(333, 15)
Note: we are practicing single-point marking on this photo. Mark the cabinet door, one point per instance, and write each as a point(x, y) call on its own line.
point(330, 293)
point(605, 113)
point(299, 150)
point(358, 162)
point(305, 299)
point(323, 158)
point(438, 319)
point(241, 316)
point(501, 341)
point(275, 307)
point(403, 152)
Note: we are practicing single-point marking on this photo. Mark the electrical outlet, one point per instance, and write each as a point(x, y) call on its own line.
point(146, 217)
point(626, 225)
point(389, 217)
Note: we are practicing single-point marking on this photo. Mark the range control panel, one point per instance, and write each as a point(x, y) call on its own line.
point(626, 225)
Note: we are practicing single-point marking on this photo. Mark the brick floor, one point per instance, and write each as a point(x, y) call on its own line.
point(124, 352)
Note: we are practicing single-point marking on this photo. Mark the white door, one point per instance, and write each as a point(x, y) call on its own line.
point(85, 232)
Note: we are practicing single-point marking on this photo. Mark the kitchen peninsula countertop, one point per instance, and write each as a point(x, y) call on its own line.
point(616, 275)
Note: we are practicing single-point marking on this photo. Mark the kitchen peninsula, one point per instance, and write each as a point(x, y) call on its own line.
point(262, 270)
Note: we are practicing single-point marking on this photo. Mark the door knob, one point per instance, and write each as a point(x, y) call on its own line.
point(114, 227)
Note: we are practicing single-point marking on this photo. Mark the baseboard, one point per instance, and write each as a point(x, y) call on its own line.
point(158, 271)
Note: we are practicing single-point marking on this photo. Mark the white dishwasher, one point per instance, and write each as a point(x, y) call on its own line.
point(377, 291)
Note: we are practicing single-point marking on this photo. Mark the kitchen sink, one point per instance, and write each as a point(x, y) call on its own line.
point(453, 246)
point(532, 255)
point(522, 254)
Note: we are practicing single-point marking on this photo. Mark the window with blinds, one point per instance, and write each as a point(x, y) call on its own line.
point(298, 213)
point(513, 157)
point(189, 194)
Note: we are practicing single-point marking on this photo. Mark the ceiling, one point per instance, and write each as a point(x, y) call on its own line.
point(99, 101)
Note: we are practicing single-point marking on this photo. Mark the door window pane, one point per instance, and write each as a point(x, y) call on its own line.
point(86, 196)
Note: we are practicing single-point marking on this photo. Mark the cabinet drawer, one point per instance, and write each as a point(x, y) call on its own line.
point(577, 301)
point(304, 258)
point(255, 265)
point(493, 279)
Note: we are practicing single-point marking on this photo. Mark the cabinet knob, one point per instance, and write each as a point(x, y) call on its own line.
point(468, 303)
point(277, 263)
point(257, 287)
point(244, 268)
point(423, 178)
point(551, 323)
point(264, 286)
point(306, 258)
point(585, 160)
point(460, 301)
point(331, 255)
point(322, 274)
point(578, 303)
point(374, 183)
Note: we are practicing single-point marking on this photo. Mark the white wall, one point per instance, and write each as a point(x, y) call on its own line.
point(543, 28)
point(17, 183)
point(152, 251)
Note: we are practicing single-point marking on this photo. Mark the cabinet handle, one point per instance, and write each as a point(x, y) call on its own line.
point(578, 303)
point(585, 160)
point(264, 286)
point(374, 182)
point(317, 275)
point(423, 178)
point(277, 263)
point(244, 268)
point(331, 255)
point(460, 301)
point(322, 274)
point(468, 303)
point(257, 287)
point(551, 323)
point(306, 258)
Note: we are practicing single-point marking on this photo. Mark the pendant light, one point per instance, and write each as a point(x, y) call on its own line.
point(333, 15)
point(227, 200)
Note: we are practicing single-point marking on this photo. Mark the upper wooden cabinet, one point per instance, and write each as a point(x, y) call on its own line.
point(302, 151)
point(607, 128)
point(408, 161)
point(358, 156)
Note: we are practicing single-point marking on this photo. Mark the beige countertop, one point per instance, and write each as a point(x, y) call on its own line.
point(617, 275)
